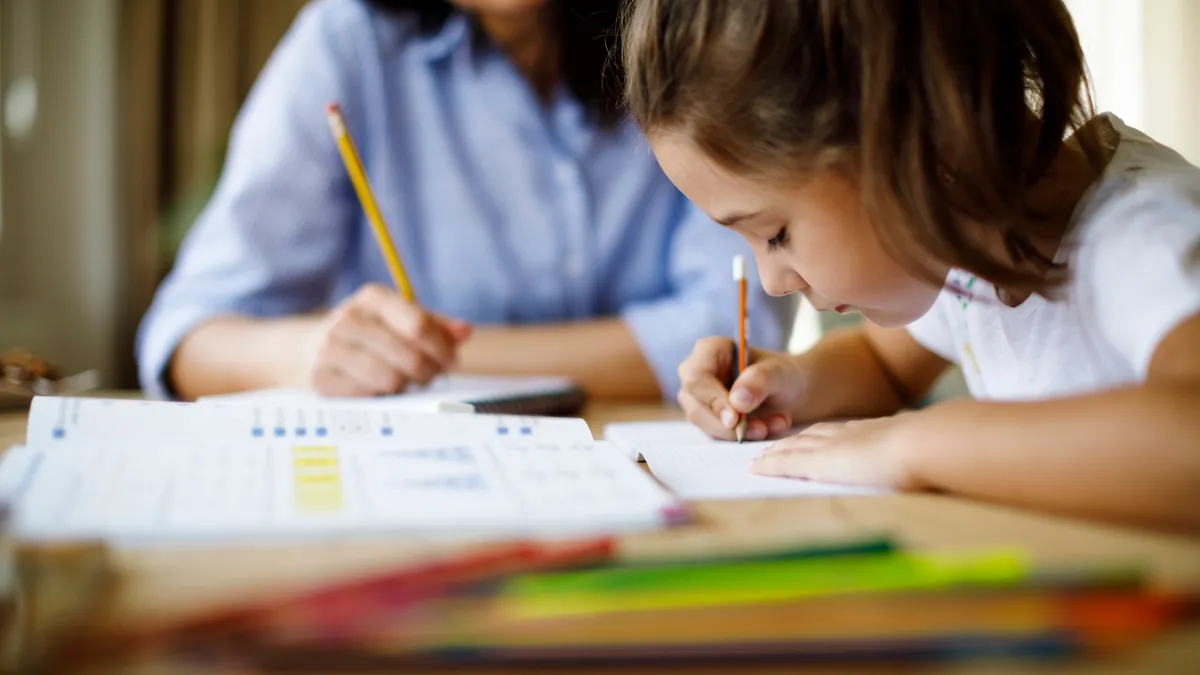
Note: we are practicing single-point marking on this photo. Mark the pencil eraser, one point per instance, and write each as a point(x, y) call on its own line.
point(739, 267)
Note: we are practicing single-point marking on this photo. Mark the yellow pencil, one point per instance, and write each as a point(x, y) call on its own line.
point(358, 176)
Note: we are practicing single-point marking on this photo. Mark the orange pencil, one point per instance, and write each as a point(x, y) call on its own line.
point(358, 176)
point(743, 353)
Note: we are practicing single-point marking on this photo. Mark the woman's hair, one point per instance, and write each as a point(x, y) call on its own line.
point(942, 111)
point(588, 38)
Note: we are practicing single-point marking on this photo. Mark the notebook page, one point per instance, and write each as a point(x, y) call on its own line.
point(70, 420)
point(633, 436)
point(718, 470)
point(200, 490)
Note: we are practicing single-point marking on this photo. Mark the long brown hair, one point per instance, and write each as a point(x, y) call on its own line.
point(944, 111)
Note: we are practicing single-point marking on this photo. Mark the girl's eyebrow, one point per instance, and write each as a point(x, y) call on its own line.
point(737, 217)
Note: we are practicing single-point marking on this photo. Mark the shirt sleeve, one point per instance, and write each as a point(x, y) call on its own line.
point(271, 237)
point(932, 331)
point(1140, 273)
point(703, 300)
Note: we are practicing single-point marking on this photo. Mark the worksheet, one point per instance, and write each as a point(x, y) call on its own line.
point(144, 472)
point(95, 419)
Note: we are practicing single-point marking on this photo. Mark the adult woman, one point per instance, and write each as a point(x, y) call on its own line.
point(539, 231)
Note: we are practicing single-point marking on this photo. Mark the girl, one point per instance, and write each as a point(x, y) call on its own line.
point(935, 166)
point(539, 232)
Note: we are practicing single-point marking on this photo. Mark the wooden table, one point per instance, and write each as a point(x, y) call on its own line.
point(160, 583)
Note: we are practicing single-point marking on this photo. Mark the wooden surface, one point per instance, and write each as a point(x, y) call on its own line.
point(162, 583)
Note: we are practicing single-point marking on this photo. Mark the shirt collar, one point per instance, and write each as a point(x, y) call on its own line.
point(442, 44)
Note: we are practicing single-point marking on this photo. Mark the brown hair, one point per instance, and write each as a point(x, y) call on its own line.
point(944, 111)
point(587, 34)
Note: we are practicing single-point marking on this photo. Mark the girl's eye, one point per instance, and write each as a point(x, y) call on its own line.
point(778, 241)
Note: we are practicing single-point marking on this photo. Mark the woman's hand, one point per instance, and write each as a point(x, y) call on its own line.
point(375, 342)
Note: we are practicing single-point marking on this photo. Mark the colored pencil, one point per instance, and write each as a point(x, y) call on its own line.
point(352, 601)
point(742, 354)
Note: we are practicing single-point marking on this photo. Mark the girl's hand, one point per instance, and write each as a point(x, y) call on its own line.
point(770, 388)
point(867, 452)
point(375, 342)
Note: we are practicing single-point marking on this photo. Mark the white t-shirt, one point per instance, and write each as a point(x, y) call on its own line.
point(1133, 256)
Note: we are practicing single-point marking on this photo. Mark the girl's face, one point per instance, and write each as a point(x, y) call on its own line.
point(811, 238)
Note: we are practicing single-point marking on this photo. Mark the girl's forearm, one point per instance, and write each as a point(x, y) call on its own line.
point(1131, 454)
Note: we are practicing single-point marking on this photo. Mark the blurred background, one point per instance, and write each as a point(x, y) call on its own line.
point(114, 116)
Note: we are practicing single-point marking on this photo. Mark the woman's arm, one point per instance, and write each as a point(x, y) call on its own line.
point(600, 355)
point(268, 354)
point(277, 227)
point(1132, 454)
point(372, 343)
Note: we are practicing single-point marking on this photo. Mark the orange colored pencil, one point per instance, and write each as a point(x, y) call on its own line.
point(743, 352)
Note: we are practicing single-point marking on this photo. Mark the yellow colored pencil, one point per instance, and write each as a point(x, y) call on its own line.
point(358, 176)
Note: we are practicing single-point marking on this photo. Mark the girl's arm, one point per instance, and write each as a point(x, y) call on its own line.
point(858, 372)
point(864, 371)
point(1131, 454)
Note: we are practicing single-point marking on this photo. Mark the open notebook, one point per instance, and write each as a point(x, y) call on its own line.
point(148, 471)
point(695, 466)
point(499, 394)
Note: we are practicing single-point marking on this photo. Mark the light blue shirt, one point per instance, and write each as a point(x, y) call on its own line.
point(505, 209)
